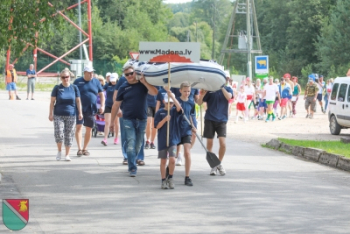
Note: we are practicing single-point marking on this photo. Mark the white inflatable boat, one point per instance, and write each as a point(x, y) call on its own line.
point(203, 75)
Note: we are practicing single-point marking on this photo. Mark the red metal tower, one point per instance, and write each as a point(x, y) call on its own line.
point(60, 58)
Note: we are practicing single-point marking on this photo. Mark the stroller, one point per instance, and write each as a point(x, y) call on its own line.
point(100, 121)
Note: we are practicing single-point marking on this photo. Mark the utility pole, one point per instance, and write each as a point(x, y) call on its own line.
point(213, 21)
point(249, 64)
point(233, 38)
point(80, 36)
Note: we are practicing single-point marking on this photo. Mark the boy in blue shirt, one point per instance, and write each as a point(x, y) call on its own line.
point(160, 122)
point(188, 107)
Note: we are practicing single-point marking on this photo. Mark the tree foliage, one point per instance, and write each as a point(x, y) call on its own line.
point(21, 19)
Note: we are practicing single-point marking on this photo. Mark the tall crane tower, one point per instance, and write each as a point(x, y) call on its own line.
point(242, 41)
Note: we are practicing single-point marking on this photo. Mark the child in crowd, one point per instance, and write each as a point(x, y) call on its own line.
point(160, 122)
point(187, 106)
point(241, 100)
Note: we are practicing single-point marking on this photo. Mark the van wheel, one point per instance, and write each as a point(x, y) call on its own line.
point(334, 127)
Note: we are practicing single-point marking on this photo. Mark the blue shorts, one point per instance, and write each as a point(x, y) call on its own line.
point(88, 120)
point(11, 86)
point(262, 103)
point(319, 97)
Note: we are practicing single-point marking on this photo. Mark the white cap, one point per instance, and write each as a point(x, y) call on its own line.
point(88, 68)
point(108, 74)
point(166, 98)
point(113, 77)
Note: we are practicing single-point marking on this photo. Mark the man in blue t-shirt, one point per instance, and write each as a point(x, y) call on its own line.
point(215, 120)
point(133, 95)
point(31, 74)
point(89, 89)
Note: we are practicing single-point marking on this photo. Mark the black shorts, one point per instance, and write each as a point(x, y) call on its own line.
point(151, 111)
point(319, 97)
point(186, 140)
point(210, 127)
point(108, 109)
point(88, 120)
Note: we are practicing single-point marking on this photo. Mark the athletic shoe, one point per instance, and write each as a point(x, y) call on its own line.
point(273, 118)
point(267, 120)
point(116, 141)
point(307, 116)
point(58, 156)
point(104, 142)
point(213, 171)
point(171, 183)
point(147, 145)
point(152, 145)
point(311, 117)
point(188, 181)
point(17, 98)
point(164, 184)
point(322, 109)
point(221, 170)
point(133, 173)
point(179, 160)
point(283, 117)
point(125, 162)
point(279, 118)
point(67, 158)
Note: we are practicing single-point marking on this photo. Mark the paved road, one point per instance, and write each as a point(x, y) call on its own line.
point(263, 192)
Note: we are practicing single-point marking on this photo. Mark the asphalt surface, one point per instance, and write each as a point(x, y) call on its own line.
point(264, 191)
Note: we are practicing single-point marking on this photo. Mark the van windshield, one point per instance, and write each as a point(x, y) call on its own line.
point(334, 91)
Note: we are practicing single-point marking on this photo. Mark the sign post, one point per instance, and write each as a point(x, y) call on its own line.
point(262, 65)
point(169, 52)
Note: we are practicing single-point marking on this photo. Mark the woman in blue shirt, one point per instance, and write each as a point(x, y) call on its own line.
point(65, 99)
point(109, 88)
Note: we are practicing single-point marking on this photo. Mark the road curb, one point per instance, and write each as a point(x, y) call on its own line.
point(312, 154)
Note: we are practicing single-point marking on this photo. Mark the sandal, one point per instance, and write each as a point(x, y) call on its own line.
point(140, 162)
point(85, 152)
point(79, 153)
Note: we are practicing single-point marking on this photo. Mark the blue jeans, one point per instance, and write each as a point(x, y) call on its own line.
point(141, 155)
point(326, 101)
point(134, 137)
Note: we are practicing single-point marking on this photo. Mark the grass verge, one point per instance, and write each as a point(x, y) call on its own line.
point(333, 147)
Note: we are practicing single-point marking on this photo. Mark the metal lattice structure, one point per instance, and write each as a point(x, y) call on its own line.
point(246, 7)
point(88, 40)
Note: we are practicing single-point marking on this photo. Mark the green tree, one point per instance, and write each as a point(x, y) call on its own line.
point(20, 20)
point(333, 44)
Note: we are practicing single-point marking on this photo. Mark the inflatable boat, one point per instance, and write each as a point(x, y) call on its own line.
point(206, 75)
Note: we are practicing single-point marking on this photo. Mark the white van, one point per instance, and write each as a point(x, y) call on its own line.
point(339, 105)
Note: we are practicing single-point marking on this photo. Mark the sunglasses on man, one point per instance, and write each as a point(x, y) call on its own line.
point(129, 74)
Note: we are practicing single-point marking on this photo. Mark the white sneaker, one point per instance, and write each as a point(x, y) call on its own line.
point(67, 158)
point(213, 171)
point(58, 156)
point(179, 160)
point(221, 170)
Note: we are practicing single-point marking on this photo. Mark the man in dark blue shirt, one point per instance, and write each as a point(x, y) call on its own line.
point(215, 120)
point(133, 95)
point(89, 89)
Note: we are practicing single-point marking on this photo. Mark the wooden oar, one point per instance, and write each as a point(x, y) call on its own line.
point(212, 159)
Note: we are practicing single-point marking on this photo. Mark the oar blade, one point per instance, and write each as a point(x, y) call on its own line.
point(212, 159)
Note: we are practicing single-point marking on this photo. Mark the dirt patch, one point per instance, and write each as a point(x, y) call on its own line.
point(257, 131)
